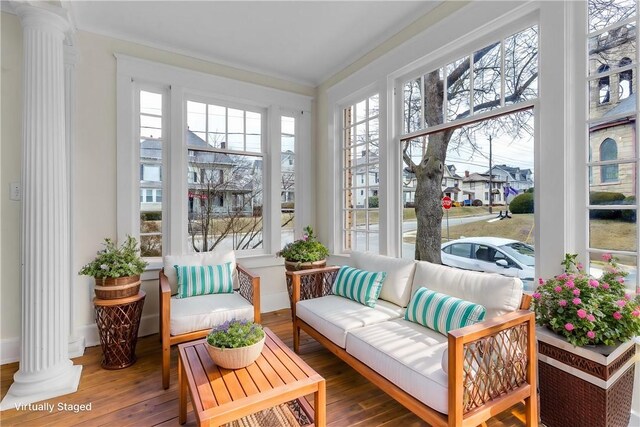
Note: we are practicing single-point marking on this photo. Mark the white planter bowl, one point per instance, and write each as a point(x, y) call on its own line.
point(235, 358)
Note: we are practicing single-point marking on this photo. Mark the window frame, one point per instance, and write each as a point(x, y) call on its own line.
point(362, 185)
point(592, 122)
point(179, 83)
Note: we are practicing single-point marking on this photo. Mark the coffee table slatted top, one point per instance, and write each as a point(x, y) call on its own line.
point(223, 395)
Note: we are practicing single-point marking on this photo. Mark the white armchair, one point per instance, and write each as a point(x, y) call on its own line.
point(187, 319)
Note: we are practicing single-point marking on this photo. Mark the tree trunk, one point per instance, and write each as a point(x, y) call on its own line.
point(428, 199)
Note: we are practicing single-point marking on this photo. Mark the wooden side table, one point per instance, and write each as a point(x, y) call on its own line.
point(118, 321)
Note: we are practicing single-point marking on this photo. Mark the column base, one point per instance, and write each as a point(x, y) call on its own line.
point(23, 393)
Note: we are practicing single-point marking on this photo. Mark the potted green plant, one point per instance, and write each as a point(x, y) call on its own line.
point(235, 344)
point(585, 345)
point(116, 269)
point(304, 253)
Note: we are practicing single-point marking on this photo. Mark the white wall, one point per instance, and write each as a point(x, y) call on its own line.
point(95, 174)
point(10, 154)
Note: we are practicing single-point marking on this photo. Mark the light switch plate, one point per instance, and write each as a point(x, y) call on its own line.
point(16, 191)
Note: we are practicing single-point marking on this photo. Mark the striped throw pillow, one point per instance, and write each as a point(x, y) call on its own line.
point(203, 279)
point(442, 313)
point(358, 285)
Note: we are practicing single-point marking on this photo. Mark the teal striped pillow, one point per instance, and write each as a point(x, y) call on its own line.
point(203, 279)
point(358, 285)
point(442, 313)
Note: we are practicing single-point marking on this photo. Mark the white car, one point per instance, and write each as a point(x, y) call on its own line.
point(492, 255)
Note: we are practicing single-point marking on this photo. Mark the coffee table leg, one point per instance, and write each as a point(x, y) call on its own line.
point(320, 405)
point(182, 393)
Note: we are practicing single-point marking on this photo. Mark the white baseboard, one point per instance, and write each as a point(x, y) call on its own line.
point(87, 336)
point(9, 350)
point(635, 419)
point(273, 302)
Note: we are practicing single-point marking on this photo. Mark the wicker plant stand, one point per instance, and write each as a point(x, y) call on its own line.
point(581, 387)
point(118, 321)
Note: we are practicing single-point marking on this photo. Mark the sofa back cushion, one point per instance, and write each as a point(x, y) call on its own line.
point(196, 280)
point(358, 285)
point(397, 286)
point(442, 313)
point(202, 258)
point(498, 294)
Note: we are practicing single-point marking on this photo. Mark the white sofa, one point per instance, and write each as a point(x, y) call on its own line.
point(460, 379)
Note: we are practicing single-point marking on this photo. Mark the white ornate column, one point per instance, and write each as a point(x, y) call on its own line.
point(45, 368)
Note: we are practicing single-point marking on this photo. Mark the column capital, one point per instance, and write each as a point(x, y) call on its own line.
point(44, 17)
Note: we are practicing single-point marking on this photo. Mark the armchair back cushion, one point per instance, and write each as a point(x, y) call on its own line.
point(397, 286)
point(202, 258)
point(496, 293)
point(204, 279)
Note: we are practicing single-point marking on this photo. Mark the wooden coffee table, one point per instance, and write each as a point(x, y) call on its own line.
point(221, 395)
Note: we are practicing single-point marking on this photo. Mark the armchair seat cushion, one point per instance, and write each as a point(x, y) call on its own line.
point(205, 311)
point(407, 354)
point(333, 316)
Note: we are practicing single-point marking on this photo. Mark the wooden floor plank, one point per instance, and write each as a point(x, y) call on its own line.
point(134, 396)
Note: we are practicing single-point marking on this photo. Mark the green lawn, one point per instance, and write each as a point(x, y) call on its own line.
point(614, 234)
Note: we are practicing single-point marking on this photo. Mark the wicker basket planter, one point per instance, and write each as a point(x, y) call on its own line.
point(235, 358)
point(117, 287)
point(582, 387)
point(295, 266)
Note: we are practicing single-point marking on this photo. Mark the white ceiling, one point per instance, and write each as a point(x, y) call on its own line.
point(301, 41)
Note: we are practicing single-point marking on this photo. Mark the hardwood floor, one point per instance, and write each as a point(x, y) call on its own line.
point(134, 396)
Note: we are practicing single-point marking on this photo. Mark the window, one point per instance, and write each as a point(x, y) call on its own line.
point(225, 145)
point(288, 177)
point(608, 151)
point(211, 154)
point(625, 80)
point(603, 85)
point(151, 132)
point(455, 113)
point(360, 170)
point(612, 164)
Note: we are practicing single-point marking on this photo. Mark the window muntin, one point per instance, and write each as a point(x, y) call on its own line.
point(511, 64)
point(360, 174)
point(612, 164)
point(150, 135)
point(225, 127)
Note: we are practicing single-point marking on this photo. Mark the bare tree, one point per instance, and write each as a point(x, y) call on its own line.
point(225, 201)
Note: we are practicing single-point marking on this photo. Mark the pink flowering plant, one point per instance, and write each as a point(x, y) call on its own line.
point(586, 310)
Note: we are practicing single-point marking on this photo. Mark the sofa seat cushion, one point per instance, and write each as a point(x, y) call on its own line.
point(407, 354)
point(333, 316)
point(205, 311)
point(496, 293)
point(397, 285)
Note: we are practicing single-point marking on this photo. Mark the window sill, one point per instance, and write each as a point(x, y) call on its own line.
point(249, 261)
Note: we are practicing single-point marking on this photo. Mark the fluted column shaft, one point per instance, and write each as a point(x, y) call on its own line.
point(45, 367)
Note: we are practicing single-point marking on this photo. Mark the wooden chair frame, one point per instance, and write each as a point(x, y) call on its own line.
point(459, 342)
point(249, 288)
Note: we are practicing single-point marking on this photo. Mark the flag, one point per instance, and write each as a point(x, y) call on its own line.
point(510, 190)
